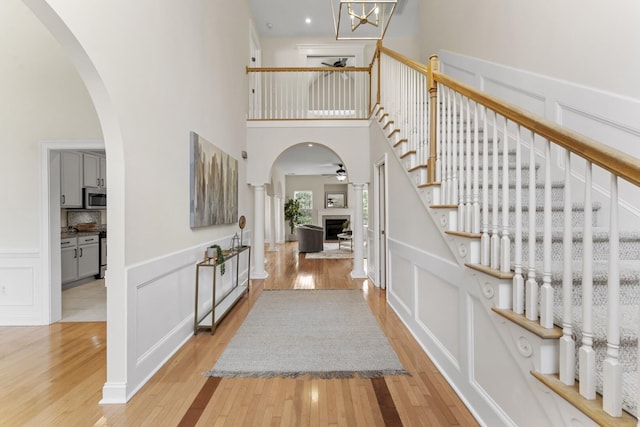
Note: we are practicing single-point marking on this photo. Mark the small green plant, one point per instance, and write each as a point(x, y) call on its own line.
point(345, 224)
point(292, 213)
point(219, 258)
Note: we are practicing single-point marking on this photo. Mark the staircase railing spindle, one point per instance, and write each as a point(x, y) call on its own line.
point(495, 208)
point(531, 286)
point(587, 355)
point(546, 292)
point(486, 237)
point(505, 242)
point(567, 369)
point(518, 280)
point(612, 369)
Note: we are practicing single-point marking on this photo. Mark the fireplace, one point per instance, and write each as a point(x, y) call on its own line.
point(333, 226)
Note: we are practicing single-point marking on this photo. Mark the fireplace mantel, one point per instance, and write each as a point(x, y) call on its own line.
point(334, 211)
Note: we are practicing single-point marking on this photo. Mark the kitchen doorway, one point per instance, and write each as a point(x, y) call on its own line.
point(51, 231)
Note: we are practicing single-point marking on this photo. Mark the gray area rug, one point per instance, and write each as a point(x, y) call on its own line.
point(324, 333)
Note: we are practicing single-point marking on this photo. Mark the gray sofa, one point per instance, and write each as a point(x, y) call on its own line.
point(310, 238)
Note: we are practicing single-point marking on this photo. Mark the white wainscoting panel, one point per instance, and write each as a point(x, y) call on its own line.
point(438, 310)
point(452, 321)
point(21, 294)
point(161, 296)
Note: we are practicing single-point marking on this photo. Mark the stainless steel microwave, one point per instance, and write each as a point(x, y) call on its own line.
point(95, 198)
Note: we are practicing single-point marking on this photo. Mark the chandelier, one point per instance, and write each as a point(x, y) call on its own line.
point(362, 19)
point(341, 174)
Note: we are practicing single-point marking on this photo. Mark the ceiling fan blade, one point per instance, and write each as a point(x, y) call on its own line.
point(328, 65)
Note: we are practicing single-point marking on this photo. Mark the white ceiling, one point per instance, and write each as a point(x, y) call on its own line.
point(287, 18)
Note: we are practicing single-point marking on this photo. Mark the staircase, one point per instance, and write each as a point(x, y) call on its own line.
point(629, 243)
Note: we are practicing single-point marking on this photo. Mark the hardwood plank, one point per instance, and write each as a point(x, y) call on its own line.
point(54, 374)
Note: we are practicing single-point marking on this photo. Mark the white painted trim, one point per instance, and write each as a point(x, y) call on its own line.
point(382, 161)
point(342, 49)
point(288, 124)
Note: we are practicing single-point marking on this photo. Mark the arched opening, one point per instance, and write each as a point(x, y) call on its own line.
point(116, 296)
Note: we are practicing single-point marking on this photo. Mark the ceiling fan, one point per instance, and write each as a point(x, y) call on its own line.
point(338, 63)
point(340, 174)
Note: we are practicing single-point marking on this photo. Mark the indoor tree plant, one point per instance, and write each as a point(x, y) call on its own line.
point(292, 215)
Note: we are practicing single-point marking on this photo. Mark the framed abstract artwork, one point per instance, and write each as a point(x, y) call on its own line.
point(213, 184)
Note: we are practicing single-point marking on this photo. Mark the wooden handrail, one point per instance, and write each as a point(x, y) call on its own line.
point(408, 62)
point(608, 158)
point(307, 69)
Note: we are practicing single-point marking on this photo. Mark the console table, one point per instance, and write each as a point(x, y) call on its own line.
point(345, 237)
point(212, 263)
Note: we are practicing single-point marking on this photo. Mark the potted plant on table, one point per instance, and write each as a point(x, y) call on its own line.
point(345, 227)
point(292, 215)
point(215, 252)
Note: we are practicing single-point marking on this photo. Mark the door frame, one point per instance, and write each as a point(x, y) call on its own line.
point(381, 222)
point(50, 220)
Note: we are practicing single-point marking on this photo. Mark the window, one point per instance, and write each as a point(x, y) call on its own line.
point(365, 207)
point(306, 206)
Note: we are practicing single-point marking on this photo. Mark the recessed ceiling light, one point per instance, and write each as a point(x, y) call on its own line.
point(310, 145)
point(308, 20)
point(269, 25)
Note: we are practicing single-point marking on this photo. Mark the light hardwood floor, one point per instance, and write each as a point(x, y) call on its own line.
point(53, 375)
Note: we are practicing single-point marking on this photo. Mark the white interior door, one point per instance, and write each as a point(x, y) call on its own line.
point(381, 214)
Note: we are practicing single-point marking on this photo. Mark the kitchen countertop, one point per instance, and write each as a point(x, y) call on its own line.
point(71, 234)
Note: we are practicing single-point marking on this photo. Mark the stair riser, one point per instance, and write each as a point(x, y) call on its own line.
point(557, 218)
point(629, 249)
point(629, 291)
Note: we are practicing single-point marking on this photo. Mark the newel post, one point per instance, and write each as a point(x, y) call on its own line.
point(434, 66)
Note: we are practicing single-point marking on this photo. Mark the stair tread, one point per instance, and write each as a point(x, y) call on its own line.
point(592, 408)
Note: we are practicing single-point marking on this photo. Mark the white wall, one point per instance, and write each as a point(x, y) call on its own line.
point(589, 43)
point(156, 71)
point(43, 98)
point(285, 52)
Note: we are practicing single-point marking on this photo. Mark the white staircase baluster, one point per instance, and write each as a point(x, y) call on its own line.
point(567, 344)
point(486, 238)
point(587, 355)
point(612, 369)
point(546, 292)
point(446, 185)
point(475, 223)
point(455, 189)
point(468, 219)
point(518, 280)
point(460, 149)
point(439, 139)
point(495, 234)
point(505, 242)
point(531, 286)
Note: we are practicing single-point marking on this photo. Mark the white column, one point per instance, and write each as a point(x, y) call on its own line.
point(272, 226)
point(358, 241)
point(258, 234)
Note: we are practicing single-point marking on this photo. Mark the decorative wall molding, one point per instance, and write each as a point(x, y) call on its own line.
point(161, 294)
point(21, 296)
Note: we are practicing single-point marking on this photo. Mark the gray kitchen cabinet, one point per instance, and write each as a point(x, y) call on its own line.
point(80, 257)
point(88, 256)
point(94, 171)
point(69, 256)
point(70, 179)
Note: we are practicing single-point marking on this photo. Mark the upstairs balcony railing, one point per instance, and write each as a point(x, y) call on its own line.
point(309, 93)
